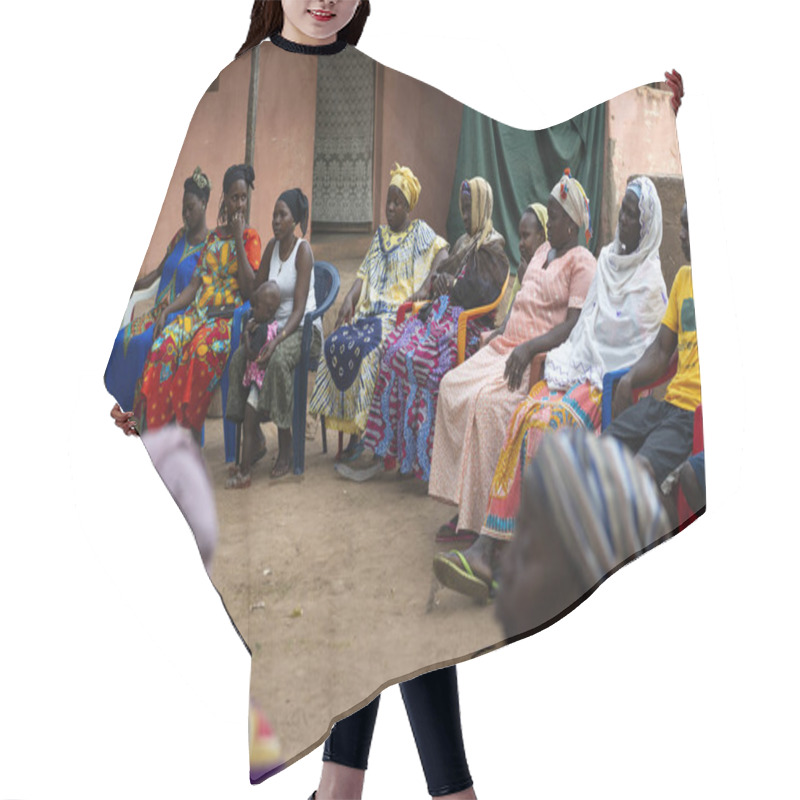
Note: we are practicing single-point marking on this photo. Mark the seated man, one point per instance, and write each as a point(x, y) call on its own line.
point(660, 432)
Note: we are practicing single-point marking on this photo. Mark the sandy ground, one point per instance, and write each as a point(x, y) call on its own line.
point(329, 581)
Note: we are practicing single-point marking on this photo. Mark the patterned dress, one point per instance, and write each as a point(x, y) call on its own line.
point(544, 410)
point(393, 269)
point(134, 341)
point(419, 353)
point(188, 358)
point(475, 403)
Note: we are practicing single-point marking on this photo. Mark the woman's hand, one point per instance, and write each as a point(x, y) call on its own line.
point(124, 420)
point(161, 320)
point(442, 283)
point(519, 360)
point(266, 353)
point(623, 396)
point(346, 311)
point(236, 225)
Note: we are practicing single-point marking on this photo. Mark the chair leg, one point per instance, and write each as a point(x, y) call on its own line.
point(324, 434)
point(341, 446)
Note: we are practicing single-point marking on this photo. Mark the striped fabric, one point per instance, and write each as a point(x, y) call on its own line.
point(603, 506)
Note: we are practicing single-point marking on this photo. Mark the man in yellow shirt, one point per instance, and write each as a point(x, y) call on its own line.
point(660, 432)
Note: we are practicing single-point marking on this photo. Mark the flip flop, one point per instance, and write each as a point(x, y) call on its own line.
point(238, 481)
point(460, 577)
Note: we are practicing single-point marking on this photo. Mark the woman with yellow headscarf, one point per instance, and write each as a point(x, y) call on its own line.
point(418, 353)
point(401, 257)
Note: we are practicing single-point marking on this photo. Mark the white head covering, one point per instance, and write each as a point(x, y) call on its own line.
point(623, 308)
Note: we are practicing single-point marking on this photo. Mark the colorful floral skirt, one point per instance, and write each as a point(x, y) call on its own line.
point(183, 369)
point(416, 356)
point(543, 411)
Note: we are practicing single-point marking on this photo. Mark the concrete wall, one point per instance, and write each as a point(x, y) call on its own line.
point(216, 140)
point(642, 140)
point(417, 126)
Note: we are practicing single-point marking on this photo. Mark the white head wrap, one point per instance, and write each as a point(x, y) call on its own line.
point(623, 308)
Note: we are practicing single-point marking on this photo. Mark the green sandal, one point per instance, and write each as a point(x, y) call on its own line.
point(460, 577)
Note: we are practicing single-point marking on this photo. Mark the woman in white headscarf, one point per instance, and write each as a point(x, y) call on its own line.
point(621, 316)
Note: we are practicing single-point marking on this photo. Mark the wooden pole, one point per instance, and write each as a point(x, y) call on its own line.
point(252, 109)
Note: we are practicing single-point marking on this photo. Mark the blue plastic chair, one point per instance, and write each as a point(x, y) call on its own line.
point(610, 380)
point(326, 289)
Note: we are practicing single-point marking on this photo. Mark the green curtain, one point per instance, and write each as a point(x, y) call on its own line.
point(523, 166)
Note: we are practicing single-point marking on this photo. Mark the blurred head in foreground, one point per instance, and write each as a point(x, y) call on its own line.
point(179, 462)
point(587, 508)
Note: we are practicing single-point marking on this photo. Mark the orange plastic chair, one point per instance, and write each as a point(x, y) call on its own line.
point(475, 313)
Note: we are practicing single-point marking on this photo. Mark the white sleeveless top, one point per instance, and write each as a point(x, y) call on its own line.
point(284, 273)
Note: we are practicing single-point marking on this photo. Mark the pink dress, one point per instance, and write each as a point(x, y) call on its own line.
point(475, 403)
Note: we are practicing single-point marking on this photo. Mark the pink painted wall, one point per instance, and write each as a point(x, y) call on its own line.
point(417, 126)
point(641, 140)
point(216, 140)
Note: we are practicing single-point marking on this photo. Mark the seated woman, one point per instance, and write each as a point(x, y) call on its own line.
point(532, 235)
point(620, 318)
point(289, 262)
point(173, 274)
point(401, 258)
point(419, 352)
point(477, 399)
point(189, 354)
point(587, 508)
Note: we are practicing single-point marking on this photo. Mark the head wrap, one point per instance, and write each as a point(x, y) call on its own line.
point(238, 172)
point(602, 506)
point(405, 180)
point(541, 214)
point(572, 198)
point(198, 185)
point(298, 206)
point(481, 215)
point(623, 308)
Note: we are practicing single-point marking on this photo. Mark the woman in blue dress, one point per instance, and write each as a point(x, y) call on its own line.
point(135, 338)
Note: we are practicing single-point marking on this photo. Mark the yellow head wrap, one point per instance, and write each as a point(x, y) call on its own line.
point(541, 215)
point(405, 180)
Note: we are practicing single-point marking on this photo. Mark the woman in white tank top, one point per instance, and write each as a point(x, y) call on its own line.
point(289, 262)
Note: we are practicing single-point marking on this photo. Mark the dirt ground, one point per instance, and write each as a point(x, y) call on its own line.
point(329, 581)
